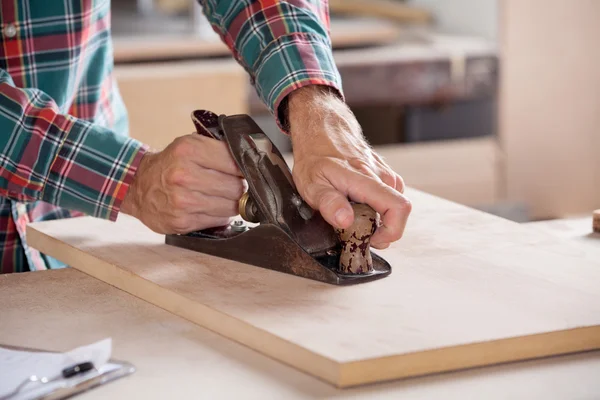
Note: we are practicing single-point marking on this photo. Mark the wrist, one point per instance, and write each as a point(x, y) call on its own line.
point(310, 104)
point(131, 201)
point(315, 112)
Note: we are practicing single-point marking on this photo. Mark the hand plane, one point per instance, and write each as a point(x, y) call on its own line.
point(278, 230)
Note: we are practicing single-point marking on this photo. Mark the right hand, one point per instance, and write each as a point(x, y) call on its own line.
point(192, 184)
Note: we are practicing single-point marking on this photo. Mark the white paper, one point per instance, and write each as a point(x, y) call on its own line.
point(18, 366)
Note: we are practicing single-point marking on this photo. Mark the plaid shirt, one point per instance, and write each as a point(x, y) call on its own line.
point(64, 129)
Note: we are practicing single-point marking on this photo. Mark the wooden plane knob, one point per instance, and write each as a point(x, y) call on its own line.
point(356, 257)
point(596, 221)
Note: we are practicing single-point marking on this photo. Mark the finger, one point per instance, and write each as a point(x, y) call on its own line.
point(190, 202)
point(380, 246)
point(394, 221)
point(213, 183)
point(197, 222)
point(203, 221)
point(213, 154)
point(220, 207)
point(387, 176)
point(399, 185)
point(333, 205)
point(392, 206)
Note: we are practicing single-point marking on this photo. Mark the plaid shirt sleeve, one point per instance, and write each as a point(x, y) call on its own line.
point(283, 45)
point(60, 159)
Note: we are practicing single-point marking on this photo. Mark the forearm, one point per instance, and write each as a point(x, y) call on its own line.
point(60, 159)
point(313, 106)
point(283, 46)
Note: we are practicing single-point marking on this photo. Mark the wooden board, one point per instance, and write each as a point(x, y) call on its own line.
point(467, 289)
point(186, 360)
point(578, 228)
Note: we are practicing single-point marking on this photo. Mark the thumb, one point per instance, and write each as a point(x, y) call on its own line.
point(333, 206)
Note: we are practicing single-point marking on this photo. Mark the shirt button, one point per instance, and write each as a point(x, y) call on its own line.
point(10, 30)
point(21, 210)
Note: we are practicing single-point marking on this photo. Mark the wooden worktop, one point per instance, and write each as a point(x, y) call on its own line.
point(60, 310)
point(352, 32)
point(469, 289)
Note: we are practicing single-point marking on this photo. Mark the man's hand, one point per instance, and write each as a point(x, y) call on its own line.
point(192, 184)
point(333, 163)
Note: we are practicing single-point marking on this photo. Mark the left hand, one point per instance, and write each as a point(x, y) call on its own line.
point(333, 164)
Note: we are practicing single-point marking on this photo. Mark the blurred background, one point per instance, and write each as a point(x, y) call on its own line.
point(494, 104)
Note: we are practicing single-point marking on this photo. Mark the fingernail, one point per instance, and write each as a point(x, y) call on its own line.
point(341, 216)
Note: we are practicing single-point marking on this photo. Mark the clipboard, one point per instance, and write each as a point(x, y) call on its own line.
point(116, 370)
point(64, 388)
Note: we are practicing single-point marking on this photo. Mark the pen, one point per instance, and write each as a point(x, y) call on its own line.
point(66, 373)
point(77, 369)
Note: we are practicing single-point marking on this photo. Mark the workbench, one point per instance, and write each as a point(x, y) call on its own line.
point(178, 359)
point(577, 228)
point(132, 44)
point(62, 309)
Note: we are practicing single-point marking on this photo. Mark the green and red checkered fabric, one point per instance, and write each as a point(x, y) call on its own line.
point(65, 148)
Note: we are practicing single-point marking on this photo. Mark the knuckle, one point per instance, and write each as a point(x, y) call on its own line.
point(361, 165)
point(400, 185)
point(394, 233)
point(182, 146)
point(357, 162)
point(388, 177)
point(405, 206)
point(175, 176)
point(179, 201)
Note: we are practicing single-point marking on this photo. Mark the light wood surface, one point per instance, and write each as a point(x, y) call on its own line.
point(468, 289)
point(160, 97)
point(344, 33)
point(549, 102)
point(577, 229)
point(60, 310)
point(464, 171)
point(173, 6)
point(389, 9)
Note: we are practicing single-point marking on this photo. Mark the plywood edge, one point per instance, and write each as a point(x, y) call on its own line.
point(232, 328)
point(470, 356)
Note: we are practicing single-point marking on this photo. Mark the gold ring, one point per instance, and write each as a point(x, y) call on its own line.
point(242, 205)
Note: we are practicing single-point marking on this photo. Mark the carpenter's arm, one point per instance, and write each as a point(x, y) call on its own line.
point(49, 156)
point(283, 45)
point(286, 49)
